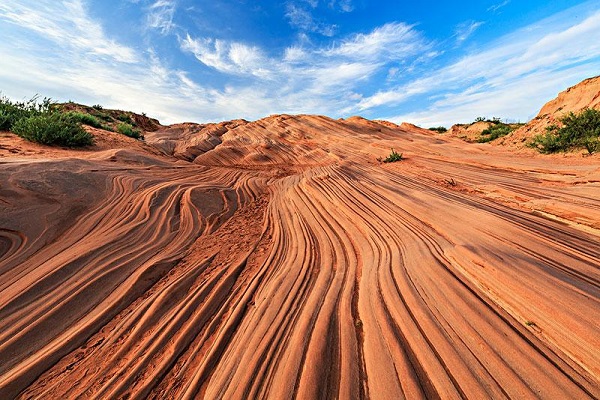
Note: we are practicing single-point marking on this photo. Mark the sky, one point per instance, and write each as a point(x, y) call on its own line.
point(426, 62)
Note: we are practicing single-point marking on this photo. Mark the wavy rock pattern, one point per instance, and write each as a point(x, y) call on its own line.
point(285, 262)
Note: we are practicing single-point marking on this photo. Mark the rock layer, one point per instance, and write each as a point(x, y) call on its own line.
point(279, 259)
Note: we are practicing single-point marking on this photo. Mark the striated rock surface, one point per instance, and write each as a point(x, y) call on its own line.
point(278, 259)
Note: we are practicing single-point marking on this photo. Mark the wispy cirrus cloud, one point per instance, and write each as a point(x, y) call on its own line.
point(342, 5)
point(313, 79)
point(228, 57)
point(56, 48)
point(385, 71)
point(465, 29)
point(302, 78)
point(392, 41)
point(301, 17)
point(504, 78)
point(496, 7)
point(67, 25)
point(316, 70)
point(160, 15)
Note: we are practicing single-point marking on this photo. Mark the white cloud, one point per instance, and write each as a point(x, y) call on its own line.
point(160, 15)
point(302, 79)
point(392, 72)
point(301, 18)
point(465, 29)
point(307, 75)
point(512, 79)
point(342, 5)
point(65, 23)
point(496, 7)
point(518, 100)
point(391, 41)
point(67, 55)
point(395, 96)
point(295, 54)
point(519, 69)
point(228, 57)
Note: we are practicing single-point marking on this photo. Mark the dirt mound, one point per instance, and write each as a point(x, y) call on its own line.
point(112, 118)
point(468, 132)
point(585, 94)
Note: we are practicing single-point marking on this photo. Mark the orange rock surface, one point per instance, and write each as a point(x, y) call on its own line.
point(278, 259)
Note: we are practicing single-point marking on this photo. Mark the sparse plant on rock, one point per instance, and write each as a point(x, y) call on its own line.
point(393, 157)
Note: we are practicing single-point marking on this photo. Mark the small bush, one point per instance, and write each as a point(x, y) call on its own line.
point(126, 118)
point(97, 107)
point(494, 120)
point(129, 130)
point(104, 116)
point(11, 112)
point(592, 144)
point(53, 128)
point(439, 129)
point(580, 130)
point(494, 132)
point(393, 157)
point(86, 119)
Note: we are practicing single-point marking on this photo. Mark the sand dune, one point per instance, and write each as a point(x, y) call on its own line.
point(279, 259)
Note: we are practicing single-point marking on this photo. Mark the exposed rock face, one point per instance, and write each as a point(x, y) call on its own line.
point(585, 94)
point(278, 259)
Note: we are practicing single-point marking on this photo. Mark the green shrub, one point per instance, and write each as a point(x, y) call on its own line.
point(129, 130)
point(580, 130)
point(494, 120)
point(126, 118)
point(592, 144)
point(494, 132)
point(97, 107)
point(102, 115)
point(11, 112)
point(439, 129)
point(53, 128)
point(86, 119)
point(393, 157)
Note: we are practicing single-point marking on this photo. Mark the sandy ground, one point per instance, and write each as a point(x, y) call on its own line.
point(278, 259)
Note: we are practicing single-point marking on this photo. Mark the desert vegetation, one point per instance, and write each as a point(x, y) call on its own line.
point(53, 128)
point(88, 119)
point(128, 130)
point(393, 157)
point(575, 131)
point(50, 123)
point(438, 129)
point(495, 131)
point(41, 122)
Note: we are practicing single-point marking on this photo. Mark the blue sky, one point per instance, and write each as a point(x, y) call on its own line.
point(427, 62)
